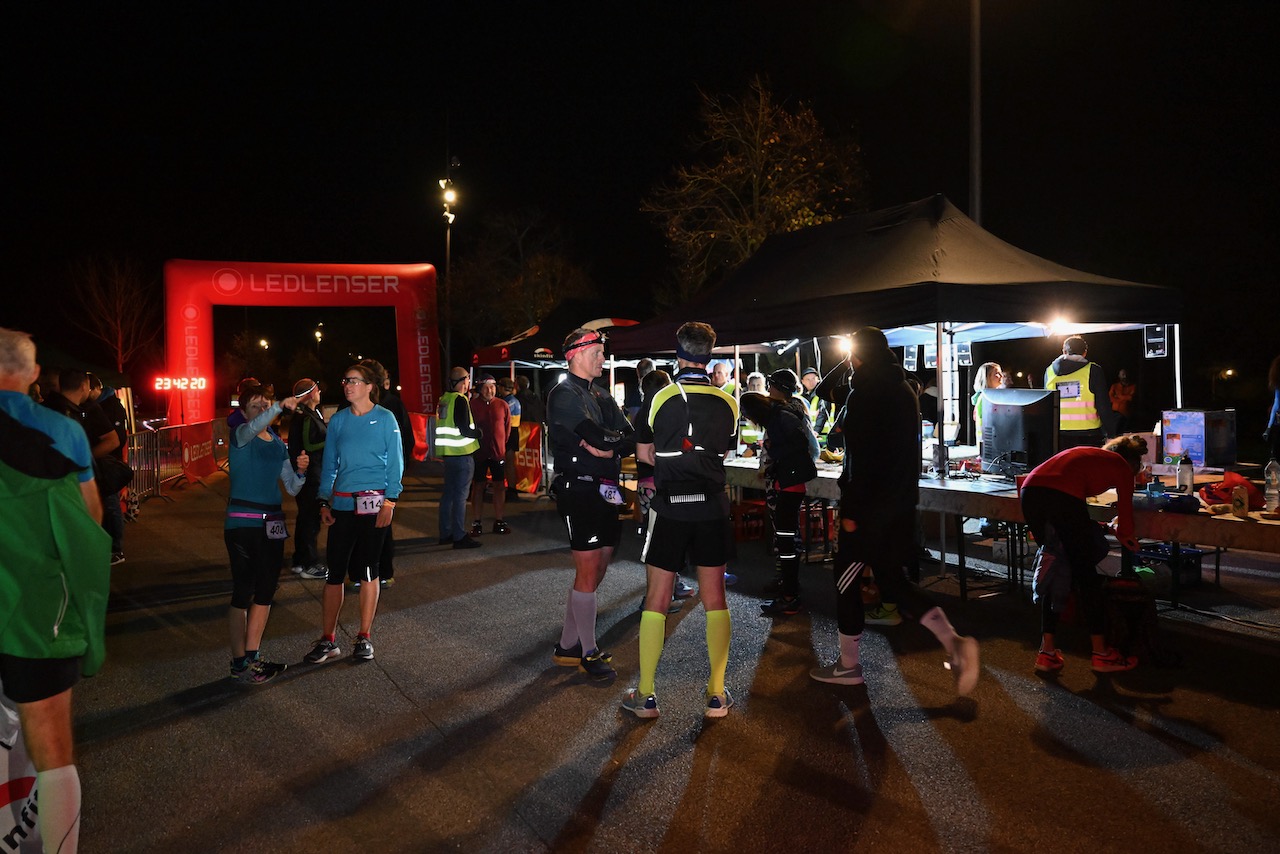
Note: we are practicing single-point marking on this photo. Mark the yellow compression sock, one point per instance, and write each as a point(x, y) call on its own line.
point(653, 632)
point(718, 632)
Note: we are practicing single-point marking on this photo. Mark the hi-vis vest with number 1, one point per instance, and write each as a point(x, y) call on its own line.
point(1077, 408)
point(449, 439)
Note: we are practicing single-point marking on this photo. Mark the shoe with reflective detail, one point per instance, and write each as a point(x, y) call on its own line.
point(597, 665)
point(501, 527)
point(963, 664)
point(257, 672)
point(683, 590)
point(783, 606)
point(641, 705)
point(1112, 661)
point(837, 674)
point(477, 528)
point(323, 651)
point(316, 570)
point(882, 615)
point(1050, 662)
point(572, 656)
point(718, 705)
point(363, 649)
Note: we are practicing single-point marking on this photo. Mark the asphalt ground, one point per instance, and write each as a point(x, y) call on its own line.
point(462, 735)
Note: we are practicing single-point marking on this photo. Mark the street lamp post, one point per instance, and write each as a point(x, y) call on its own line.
point(450, 197)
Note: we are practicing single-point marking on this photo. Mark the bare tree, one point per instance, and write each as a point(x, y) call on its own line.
point(518, 272)
point(117, 304)
point(761, 170)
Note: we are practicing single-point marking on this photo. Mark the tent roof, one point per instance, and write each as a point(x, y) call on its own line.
point(918, 263)
point(548, 336)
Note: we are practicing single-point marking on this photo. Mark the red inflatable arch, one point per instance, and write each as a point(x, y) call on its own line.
point(192, 288)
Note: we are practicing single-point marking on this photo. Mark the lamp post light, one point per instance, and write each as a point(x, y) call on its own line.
point(262, 342)
point(450, 198)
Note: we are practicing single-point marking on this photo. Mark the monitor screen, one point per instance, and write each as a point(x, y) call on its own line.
point(1019, 429)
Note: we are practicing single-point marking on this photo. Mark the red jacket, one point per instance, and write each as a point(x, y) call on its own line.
point(1084, 472)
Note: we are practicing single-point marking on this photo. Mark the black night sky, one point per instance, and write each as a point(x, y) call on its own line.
point(1129, 139)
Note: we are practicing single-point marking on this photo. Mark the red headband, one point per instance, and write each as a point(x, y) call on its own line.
point(585, 341)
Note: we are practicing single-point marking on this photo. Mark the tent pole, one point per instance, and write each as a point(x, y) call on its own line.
point(1177, 363)
point(940, 425)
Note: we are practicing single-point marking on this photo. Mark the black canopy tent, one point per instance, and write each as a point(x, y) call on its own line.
point(923, 263)
point(918, 263)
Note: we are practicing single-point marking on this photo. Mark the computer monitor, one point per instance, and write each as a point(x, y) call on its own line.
point(1019, 429)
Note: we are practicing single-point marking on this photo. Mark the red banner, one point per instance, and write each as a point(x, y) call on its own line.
point(528, 473)
point(197, 451)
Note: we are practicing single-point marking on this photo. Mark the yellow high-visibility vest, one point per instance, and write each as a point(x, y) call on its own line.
point(1077, 406)
point(449, 439)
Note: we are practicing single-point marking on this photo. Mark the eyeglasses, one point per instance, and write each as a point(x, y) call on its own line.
point(354, 381)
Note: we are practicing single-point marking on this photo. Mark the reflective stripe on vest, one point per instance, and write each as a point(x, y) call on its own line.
point(449, 439)
point(1077, 407)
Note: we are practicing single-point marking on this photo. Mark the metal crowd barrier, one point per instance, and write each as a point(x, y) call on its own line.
point(155, 453)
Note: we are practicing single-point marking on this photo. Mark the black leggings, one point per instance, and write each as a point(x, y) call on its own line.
point(885, 552)
point(786, 521)
point(1069, 517)
point(255, 565)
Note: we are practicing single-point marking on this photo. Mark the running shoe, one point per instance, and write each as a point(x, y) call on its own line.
point(477, 528)
point(316, 570)
point(117, 557)
point(963, 664)
point(363, 649)
point(783, 606)
point(730, 579)
point(501, 527)
point(297, 570)
point(640, 705)
point(683, 590)
point(597, 665)
point(322, 652)
point(837, 674)
point(572, 656)
point(1050, 662)
point(257, 672)
point(466, 543)
point(1112, 661)
point(883, 615)
point(718, 705)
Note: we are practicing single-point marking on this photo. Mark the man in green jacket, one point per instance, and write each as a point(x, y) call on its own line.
point(54, 578)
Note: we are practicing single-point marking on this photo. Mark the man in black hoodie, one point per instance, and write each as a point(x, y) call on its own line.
point(879, 490)
point(1084, 403)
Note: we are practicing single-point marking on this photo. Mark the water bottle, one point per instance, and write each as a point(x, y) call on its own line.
point(1186, 474)
point(1271, 475)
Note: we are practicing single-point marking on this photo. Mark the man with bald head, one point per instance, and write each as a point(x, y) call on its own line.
point(457, 438)
point(589, 436)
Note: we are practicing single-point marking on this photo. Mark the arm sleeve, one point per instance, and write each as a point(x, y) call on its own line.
point(604, 439)
point(834, 387)
point(395, 464)
point(291, 479)
point(246, 432)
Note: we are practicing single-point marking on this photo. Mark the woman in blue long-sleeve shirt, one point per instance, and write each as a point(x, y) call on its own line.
point(359, 485)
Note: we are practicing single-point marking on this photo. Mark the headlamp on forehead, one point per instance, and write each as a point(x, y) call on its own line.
point(586, 341)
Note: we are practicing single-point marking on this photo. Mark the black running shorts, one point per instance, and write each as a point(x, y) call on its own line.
point(705, 542)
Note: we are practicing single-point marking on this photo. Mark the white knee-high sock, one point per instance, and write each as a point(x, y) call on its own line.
point(569, 634)
point(584, 612)
point(936, 621)
point(849, 654)
point(58, 797)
